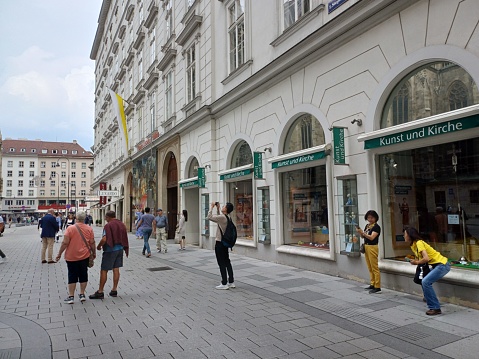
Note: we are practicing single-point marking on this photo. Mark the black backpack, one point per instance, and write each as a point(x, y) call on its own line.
point(228, 238)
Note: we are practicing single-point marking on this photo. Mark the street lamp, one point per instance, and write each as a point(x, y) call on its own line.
point(68, 181)
point(58, 189)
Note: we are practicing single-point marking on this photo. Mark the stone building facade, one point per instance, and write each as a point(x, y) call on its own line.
point(304, 115)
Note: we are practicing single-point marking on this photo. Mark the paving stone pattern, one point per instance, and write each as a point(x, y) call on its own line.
point(276, 311)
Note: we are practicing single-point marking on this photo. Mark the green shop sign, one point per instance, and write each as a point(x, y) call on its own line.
point(201, 177)
point(258, 165)
point(424, 132)
point(299, 159)
point(193, 183)
point(235, 174)
point(339, 151)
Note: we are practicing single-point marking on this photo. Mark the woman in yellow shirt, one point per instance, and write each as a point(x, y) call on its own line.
point(426, 254)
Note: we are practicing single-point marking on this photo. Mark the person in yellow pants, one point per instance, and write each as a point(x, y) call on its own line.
point(371, 234)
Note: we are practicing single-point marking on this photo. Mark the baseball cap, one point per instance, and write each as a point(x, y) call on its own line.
point(159, 209)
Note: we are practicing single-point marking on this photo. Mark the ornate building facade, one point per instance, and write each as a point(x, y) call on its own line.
point(304, 115)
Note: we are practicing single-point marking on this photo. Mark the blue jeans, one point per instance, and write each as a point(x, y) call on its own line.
point(146, 238)
point(437, 273)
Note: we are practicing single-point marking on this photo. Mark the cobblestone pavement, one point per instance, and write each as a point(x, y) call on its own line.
point(168, 308)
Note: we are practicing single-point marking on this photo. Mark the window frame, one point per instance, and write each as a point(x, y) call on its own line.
point(234, 23)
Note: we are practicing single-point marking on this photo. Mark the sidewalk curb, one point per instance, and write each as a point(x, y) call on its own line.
point(35, 341)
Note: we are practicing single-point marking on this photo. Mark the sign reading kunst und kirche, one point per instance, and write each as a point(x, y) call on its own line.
point(424, 132)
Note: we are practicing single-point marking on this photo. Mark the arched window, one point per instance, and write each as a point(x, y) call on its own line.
point(305, 132)
point(457, 96)
point(432, 89)
point(242, 155)
point(193, 169)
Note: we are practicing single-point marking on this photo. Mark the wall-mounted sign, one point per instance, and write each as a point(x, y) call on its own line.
point(299, 159)
point(105, 193)
point(258, 165)
point(201, 177)
point(339, 151)
point(334, 4)
point(236, 174)
point(189, 184)
point(424, 132)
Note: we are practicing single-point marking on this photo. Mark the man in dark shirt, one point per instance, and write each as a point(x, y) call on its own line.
point(114, 242)
point(49, 230)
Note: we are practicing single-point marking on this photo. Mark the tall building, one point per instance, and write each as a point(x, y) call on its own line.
point(39, 175)
point(304, 115)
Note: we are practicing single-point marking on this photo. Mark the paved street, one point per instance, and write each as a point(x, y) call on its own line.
point(174, 311)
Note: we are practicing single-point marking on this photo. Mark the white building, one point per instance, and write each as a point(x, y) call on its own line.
point(345, 105)
point(38, 175)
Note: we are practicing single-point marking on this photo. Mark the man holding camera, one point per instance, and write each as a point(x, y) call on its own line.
point(221, 251)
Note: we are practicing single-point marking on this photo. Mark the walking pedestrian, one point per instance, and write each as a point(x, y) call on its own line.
point(182, 229)
point(139, 214)
point(70, 221)
point(4, 257)
point(59, 221)
point(371, 234)
point(9, 222)
point(2, 226)
point(160, 231)
point(221, 251)
point(425, 254)
point(49, 229)
point(114, 242)
point(77, 244)
point(146, 225)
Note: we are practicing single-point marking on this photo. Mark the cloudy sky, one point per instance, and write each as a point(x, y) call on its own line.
point(46, 75)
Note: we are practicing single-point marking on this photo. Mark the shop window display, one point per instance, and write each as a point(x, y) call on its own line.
point(304, 198)
point(305, 207)
point(430, 189)
point(241, 193)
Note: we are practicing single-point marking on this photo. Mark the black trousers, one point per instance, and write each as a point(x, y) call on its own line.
point(2, 254)
point(223, 259)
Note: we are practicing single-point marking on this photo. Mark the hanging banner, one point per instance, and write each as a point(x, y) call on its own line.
point(201, 177)
point(102, 188)
point(258, 165)
point(339, 151)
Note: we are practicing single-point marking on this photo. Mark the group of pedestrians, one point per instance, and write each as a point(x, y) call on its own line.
point(148, 225)
point(423, 252)
point(79, 244)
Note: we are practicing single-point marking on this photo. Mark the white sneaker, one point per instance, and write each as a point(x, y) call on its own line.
point(231, 285)
point(222, 286)
point(159, 250)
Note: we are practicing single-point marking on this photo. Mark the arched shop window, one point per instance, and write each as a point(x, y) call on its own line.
point(193, 168)
point(432, 89)
point(241, 193)
point(304, 133)
point(242, 155)
point(433, 188)
point(304, 191)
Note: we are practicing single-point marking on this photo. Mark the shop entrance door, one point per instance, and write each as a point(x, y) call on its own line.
point(172, 195)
